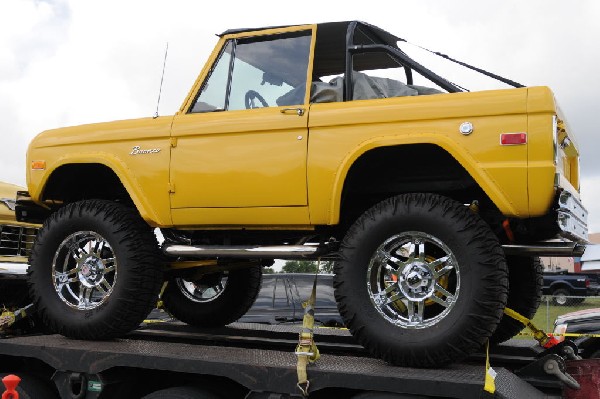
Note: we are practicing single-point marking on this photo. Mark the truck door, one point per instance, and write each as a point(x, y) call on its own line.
point(240, 149)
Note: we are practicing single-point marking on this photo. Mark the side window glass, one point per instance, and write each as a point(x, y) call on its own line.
point(213, 93)
point(270, 72)
point(265, 71)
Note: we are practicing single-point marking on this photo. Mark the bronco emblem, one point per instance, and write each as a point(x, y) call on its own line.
point(137, 150)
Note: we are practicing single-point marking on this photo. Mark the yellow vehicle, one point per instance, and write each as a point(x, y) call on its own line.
point(16, 240)
point(321, 141)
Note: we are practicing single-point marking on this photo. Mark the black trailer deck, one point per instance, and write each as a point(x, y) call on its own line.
point(258, 358)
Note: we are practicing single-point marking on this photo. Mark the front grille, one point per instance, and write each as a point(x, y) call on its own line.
point(16, 240)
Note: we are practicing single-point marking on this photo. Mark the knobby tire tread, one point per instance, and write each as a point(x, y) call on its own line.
point(241, 291)
point(140, 261)
point(526, 279)
point(484, 315)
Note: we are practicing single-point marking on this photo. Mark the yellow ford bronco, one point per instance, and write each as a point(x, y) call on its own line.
point(322, 141)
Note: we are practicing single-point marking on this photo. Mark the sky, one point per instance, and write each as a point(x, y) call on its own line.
point(69, 62)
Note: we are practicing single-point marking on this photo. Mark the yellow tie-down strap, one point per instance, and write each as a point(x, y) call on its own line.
point(544, 339)
point(538, 333)
point(307, 350)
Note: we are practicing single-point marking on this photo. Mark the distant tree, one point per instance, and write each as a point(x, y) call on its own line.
point(268, 270)
point(326, 267)
point(307, 266)
point(299, 266)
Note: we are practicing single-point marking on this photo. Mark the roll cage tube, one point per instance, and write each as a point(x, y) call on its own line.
point(406, 61)
point(396, 53)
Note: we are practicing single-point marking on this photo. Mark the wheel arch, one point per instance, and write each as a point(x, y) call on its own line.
point(560, 285)
point(112, 173)
point(379, 151)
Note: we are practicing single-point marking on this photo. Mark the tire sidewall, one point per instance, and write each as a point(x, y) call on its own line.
point(98, 217)
point(61, 230)
point(403, 215)
point(237, 297)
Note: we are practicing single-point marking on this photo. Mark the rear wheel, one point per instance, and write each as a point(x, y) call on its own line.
point(215, 299)
point(526, 279)
point(95, 270)
point(422, 281)
point(560, 297)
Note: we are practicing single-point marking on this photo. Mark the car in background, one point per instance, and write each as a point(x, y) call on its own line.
point(16, 240)
point(581, 322)
point(281, 296)
point(567, 288)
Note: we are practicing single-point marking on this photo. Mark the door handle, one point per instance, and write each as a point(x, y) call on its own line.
point(297, 111)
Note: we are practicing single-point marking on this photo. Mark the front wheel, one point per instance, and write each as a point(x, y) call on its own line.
point(95, 270)
point(422, 281)
point(215, 299)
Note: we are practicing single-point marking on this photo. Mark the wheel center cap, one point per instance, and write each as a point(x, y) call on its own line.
point(90, 271)
point(416, 281)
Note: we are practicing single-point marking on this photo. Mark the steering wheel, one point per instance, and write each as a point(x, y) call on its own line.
point(249, 99)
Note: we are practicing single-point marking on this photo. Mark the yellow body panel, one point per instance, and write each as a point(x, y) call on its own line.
point(236, 159)
point(7, 219)
point(8, 191)
point(262, 168)
point(341, 132)
point(145, 175)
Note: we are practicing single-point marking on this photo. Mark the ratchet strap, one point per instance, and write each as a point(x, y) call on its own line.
point(8, 318)
point(545, 340)
point(307, 350)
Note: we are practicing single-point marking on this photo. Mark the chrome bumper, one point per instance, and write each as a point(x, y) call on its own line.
point(13, 270)
point(572, 218)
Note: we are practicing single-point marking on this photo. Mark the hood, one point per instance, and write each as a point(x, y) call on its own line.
point(101, 132)
point(580, 316)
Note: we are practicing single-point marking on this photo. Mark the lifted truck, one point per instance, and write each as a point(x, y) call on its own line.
point(174, 361)
point(312, 141)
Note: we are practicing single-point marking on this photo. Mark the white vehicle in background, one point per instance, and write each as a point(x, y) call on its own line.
point(590, 261)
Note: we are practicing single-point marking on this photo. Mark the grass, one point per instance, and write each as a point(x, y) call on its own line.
point(547, 313)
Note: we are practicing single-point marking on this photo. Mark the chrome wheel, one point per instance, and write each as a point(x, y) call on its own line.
point(84, 270)
point(413, 280)
point(207, 289)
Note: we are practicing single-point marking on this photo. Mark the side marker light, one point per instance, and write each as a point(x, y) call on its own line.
point(513, 138)
point(38, 165)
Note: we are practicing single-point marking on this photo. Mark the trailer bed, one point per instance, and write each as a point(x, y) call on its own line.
point(261, 358)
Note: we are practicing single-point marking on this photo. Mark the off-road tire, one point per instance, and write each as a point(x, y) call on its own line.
point(181, 393)
point(525, 282)
point(240, 292)
point(483, 281)
point(138, 267)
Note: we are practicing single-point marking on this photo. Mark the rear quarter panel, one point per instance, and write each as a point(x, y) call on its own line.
point(339, 133)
